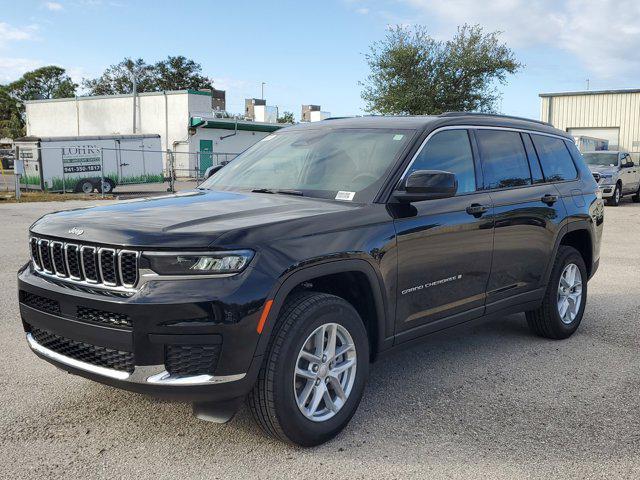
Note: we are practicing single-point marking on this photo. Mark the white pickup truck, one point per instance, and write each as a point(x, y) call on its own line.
point(616, 173)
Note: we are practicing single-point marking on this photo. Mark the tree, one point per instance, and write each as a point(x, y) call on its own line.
point(174, 73)
point(180, 73)
point(43, 83)
point(413, 73)
point(116, 79)
point(287, 117)
point(11, 124)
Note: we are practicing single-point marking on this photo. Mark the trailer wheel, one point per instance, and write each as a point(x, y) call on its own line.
point(107, 186)
point(85, 186)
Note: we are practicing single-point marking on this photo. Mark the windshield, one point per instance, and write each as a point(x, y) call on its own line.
point(343, 164)
point(603, 159)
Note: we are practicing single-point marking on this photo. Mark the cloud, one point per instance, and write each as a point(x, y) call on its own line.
point(9, 33)
point(13, 68)
point(603, 34)
point(362, 11)
point(53, 6)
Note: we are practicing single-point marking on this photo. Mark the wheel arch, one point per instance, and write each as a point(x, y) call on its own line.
point(333, 277)
point(579, 236)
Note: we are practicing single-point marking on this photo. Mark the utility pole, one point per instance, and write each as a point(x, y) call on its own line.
point(587, 84)
point(135, 91)
point(262, 96)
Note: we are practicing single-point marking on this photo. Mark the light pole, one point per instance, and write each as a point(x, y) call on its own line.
point(262, 96)
point(135, 88)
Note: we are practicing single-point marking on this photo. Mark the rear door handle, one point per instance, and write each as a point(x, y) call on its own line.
point(477, 210)
point(549, 199)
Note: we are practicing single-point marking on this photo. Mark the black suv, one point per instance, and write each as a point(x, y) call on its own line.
point(322, 246)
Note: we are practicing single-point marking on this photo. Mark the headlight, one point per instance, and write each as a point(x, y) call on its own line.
point(195, 263)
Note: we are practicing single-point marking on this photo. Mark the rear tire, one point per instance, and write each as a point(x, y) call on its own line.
point(275, 400)
point(636, 198)
point(549, 320)
point(108, 185)
point(85, 186)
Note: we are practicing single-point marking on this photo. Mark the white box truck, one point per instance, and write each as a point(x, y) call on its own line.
point(81, 164)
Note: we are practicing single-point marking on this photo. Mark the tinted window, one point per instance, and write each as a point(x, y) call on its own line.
point(450, 151)
point(534, 163)
point(554, 156)
point(504, 161)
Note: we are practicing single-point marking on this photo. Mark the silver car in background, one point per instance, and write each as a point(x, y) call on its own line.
point(616, 173)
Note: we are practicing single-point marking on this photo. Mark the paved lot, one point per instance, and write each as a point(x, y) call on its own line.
point(483, 401)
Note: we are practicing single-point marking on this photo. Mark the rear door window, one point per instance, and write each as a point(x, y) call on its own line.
point(556, 161)
point(534, 163)
point(504, 161)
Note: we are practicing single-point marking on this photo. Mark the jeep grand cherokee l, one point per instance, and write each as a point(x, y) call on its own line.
point(319, 248)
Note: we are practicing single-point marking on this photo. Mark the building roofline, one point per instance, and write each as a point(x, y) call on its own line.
point(231, 124)
point(590, 92)
point(35, 138)
point(122, 95)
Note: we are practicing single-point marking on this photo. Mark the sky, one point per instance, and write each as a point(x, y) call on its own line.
point(313, 51)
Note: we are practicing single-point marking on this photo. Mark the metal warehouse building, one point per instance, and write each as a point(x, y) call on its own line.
point(612, 115)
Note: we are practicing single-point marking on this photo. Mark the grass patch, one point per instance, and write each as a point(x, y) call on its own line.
point(26, 197)
point(71, 182)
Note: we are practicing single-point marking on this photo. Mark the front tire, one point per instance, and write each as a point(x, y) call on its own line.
point(565, 298)
point(636, 197)
point(305, 394)
point(614, 201)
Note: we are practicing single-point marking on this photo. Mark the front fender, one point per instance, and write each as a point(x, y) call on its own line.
point(292, 278)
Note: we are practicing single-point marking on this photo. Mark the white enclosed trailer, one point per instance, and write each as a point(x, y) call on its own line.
point(81, 164)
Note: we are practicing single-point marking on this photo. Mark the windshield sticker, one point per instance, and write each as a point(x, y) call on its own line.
point(398, 137)
point(341, 195)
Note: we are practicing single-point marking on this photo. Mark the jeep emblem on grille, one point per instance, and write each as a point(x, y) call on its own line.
point(76, 231)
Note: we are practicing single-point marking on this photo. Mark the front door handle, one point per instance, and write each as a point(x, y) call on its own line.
point(477, 210)
point(549, 199)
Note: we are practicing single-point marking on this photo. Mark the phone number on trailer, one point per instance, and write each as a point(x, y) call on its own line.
point(81, 168)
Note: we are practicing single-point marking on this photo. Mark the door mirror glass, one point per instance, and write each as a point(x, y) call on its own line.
point(427, 185)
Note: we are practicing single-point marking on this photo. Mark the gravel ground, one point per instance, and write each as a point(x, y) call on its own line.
point(482, 401)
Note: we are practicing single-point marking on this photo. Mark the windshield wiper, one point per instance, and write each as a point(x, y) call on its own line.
point(283, 191)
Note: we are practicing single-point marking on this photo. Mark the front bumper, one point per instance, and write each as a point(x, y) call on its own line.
point(181, 315)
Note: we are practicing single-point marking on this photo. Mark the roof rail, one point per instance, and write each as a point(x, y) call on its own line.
point(480, 114)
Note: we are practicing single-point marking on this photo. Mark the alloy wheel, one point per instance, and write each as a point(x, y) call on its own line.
point(569, 293)
point(325, 372)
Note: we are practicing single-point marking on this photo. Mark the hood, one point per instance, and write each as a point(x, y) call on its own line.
point(603, 169)
point(192, 219)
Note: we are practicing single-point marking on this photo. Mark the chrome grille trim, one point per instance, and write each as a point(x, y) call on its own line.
point(78, 258)
point(122, 271)
point(102, 250)
point(42, 242)
point(35, 258)
point(52, 246)
point(82, 265)
point(137, 267)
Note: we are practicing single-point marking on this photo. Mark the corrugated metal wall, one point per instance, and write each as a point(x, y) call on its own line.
point(602, 110)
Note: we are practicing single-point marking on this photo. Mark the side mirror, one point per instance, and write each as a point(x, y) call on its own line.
point(211, 170)
point(427, 185)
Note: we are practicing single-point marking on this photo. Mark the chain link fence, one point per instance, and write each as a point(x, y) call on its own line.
point(107, 170)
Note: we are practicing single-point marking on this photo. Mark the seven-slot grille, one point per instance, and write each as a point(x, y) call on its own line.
point(85, 263)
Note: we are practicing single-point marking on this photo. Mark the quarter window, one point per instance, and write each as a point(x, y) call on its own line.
point(555, 158)
point(449, 151)
point(504, 161)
